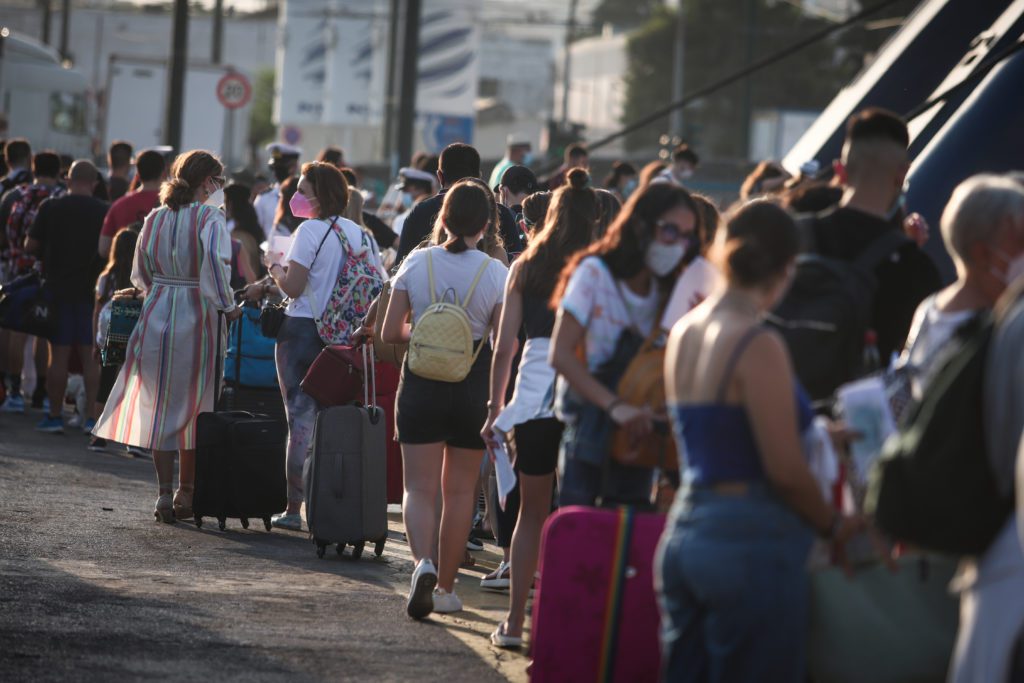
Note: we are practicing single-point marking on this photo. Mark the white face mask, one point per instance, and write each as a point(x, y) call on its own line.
point(217, 198)
point(1014, 268)
point(661, 259)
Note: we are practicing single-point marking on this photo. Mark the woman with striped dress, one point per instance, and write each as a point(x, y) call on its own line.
point(182, 263)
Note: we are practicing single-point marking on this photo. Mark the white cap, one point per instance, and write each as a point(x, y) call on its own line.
point(517, 139)
point(282, 149)
point(416, 174)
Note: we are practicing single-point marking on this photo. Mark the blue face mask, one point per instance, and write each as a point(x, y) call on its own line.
point(407, 200)
point(527, 159)
point(630, 187)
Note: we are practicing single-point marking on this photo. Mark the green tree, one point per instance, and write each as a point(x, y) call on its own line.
point(261, 125)
point(722, 36)
point(625, 13)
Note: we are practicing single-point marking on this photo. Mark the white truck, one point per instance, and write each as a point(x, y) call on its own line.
point(40, 99)
point(135, 108)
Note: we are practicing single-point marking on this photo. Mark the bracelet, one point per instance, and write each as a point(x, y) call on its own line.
point(616, 402)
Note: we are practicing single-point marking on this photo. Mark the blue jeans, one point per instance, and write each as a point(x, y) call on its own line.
point(298, 345)
point(733, 590)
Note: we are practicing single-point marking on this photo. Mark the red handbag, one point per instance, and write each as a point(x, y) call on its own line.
point(336, 376)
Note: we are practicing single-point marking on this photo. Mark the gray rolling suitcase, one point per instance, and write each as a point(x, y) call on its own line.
point(345, 476)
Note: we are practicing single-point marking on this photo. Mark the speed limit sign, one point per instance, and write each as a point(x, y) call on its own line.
point(234, 91)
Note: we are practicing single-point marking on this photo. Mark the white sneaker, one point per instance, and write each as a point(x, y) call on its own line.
point(424, 578)
point(445, 602)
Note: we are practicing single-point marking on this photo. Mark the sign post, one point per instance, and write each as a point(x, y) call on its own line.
point(234, 92)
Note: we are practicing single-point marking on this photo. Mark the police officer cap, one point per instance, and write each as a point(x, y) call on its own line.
point(415, 174)
point(281, 150)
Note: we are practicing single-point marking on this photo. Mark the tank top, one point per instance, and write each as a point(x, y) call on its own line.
point(538, 318)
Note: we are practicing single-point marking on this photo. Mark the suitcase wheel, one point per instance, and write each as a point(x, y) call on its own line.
point(245, 522)
point(321, 548)
point(266, 523)
point(378, 548)
point(222, 523)
point(357, 550)
point(199, 522)
point(340, 549)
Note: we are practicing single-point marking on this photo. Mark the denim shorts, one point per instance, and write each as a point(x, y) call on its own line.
point(733, 588)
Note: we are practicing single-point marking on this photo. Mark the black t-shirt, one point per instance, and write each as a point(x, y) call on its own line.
point(117, 187)
point(904, 280)
point(68, 228)
point(382, 234)
point(420, 222)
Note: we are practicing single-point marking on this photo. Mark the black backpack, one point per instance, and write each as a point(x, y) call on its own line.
point(827, 311)
point(933, 485)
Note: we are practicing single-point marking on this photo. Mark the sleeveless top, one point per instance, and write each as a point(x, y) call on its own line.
point(538, 318)
point(718, 438)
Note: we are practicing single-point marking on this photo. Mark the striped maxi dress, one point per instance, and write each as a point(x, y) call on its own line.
point(182, 263)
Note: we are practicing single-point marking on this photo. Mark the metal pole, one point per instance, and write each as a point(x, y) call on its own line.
point(176, 93)
point(748, 83)
point(410, 76)
point(570, 31)
point(676, 128)
point(4, 33)
point(65, 15)
point(218, 32)
point(47, 20)
point(389, 152)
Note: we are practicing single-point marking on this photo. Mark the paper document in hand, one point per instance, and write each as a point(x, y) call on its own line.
point(279, 246)
point(865, 409)
point(504, 473)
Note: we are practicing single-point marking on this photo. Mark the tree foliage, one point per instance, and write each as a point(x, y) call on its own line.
point(722, 36)
point(625, 13)
point(261, 125)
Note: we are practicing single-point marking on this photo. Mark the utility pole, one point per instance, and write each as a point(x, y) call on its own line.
point(65, 15)
point(216, 49)
point(410, 76)
point(676, 127)
point(748, 82)
point(390, 152)
point(570, 32)
point(176, 94)
point(47, 20)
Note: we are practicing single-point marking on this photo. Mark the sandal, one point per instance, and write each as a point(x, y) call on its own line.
point(500, 639)
point(164, 511)
point(183, 503)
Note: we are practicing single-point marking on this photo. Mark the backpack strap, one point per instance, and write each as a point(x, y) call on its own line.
point(476, 280)
point(734, 359)
point(879, 250)
point(430, 277)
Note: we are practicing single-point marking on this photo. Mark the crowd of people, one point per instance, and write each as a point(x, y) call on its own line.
point(564, 288)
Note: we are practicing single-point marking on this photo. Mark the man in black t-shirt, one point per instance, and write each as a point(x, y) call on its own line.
point(65, 235)
point(873, 169)
point(458, 161)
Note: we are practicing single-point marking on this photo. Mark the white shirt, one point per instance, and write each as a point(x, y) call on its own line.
point(324, 271)
point(605, 307)
point(930, 332)
point(266, 207)
point(695, 284)
point(453, 272)
point(399, 222)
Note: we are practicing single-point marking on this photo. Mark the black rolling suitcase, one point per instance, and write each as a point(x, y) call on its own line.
point(345, 475)
point(240, 465)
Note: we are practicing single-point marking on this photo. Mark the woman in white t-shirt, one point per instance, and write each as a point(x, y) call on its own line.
point(314, 264)
point(438, 423)
point(619, 284)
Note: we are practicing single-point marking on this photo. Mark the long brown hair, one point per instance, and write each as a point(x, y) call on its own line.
point(466, 209)
point(491, 241)
point(283, 215)
point(119, 267)
point(624, 246)
point(568, 228)
point(188, 172)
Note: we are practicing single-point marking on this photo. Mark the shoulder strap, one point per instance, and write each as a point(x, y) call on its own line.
point(883, 247)
point(734, 359)
point(476, 280)
point(430, 276)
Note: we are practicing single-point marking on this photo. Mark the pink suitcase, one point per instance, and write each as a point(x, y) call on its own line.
point(595, 617)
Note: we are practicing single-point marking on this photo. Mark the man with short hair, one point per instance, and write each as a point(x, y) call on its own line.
point(516, 185)
point(576, 156)
point(134, 207)
point(284, 164)
point(65, 235)
point(873, 169)
point(684, 164)
point(332, 155)
point(458, 161)
point(18, 157)
point(120, 160)
point(519, 152)
point(17, 212)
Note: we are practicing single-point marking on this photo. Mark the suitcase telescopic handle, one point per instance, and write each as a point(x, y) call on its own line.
point(369, 370)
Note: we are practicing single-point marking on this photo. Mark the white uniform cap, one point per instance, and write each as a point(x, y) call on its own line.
point(517, 139)
point(416, 174)
point(276, 150)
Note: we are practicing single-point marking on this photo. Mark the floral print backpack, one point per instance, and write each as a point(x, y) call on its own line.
point(359, 283)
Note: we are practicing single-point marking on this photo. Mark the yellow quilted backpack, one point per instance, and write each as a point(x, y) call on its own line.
point(441, 346)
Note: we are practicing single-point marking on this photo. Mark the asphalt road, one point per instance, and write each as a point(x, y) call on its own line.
point(93, 589)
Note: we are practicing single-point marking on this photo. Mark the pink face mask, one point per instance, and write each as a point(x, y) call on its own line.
point(301, 207)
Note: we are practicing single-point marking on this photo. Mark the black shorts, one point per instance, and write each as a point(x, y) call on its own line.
point(453, 413)
point(536, 444)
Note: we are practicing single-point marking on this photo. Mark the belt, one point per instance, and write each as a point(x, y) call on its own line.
point(170, 281)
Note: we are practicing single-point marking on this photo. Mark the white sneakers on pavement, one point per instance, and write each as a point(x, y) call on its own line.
point(445, 602)
point(421, 592)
